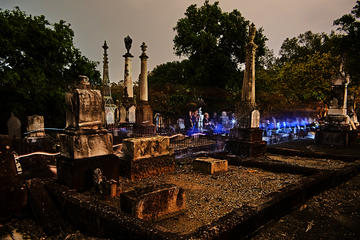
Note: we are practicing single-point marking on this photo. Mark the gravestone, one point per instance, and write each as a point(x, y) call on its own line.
point(85, 144)
point(246, 137)
point(146, 157)
point(14, 127)
point(13, 195)
point(132, 114)
point(338, 127)
point(35, 126)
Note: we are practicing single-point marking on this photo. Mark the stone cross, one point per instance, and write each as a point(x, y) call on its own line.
point(248, 88)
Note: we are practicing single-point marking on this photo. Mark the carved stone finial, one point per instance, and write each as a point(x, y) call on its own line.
point(252, 32)
point(128, 42)
point(84, 81)
point(143, 47)
point(105, 46)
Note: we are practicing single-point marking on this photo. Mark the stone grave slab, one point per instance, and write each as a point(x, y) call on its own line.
point(154, 201)
point(210, 165)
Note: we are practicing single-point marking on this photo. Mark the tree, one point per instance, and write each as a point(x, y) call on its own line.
point(38, 62)
point(214, 41)
point(349, 26)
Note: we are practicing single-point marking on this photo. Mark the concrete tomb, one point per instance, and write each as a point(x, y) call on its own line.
point(146, 157)
point(153, 202)
point(85, 144)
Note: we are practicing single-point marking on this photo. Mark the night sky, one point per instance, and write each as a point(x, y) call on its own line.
point(152, 21)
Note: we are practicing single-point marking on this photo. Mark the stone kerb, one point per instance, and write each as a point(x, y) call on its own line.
point(149, 147)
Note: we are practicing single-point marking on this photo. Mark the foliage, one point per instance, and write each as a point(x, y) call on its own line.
point(214, 41)
point(349, 25)
point(38, 62)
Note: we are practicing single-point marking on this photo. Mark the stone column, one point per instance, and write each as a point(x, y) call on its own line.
point(143, 75)
point(127, 72)
point(106, 79)
point(248, 89)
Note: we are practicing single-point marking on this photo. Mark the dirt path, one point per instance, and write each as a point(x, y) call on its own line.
point(333, 214)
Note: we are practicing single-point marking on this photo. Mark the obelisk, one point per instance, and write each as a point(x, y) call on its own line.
point(248, 89)
point(127, 71)
point(106, 80)
point(144, 113)
point(143, 74)
point(246, 137)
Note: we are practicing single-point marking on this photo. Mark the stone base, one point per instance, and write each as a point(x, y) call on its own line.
point(210, 165)
point(154, 202)
point(144, 114)
point(146, 167)
point(246, 148)
point(335, 137)
point(78, 173)
point(247, 134)
point(13, 198)
point(78, 144)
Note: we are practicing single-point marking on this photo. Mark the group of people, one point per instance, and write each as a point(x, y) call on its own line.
point(198, 122)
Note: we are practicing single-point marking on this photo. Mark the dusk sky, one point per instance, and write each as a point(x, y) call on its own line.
point(152, 21)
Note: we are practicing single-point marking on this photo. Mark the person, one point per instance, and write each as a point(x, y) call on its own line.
point(206, 122)
point(188, 120)
point(195, 119)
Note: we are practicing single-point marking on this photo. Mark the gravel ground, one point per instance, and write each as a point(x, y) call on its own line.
point(319, 163)
point(332, 214)
point(210, 197)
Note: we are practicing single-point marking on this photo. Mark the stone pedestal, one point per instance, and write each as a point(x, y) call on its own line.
point(146, 157)
point(85, 144)
point(144, 114)
point(246, 142)
point(78, 174)
point(13, 195)
point(78, 145)
point(154, 202)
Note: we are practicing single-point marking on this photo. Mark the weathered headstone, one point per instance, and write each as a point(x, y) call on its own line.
point(14, 127)
point(35, 126)
point(146, 157)
point(85, 144)
point(154, 201)
point(255, 119)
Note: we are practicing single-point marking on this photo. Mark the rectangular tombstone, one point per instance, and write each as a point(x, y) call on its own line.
point(210, 165)
point(139, 148)
point(255, 119)
point(36, 126)
point(77, 146)
point(85, 109)
point(154, 201)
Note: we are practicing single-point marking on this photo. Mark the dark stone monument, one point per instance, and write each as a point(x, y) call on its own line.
point(86, 144)
point(338, 128)
point(246, 137)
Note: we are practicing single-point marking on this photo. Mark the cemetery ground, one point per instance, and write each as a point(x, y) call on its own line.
point(298, 190)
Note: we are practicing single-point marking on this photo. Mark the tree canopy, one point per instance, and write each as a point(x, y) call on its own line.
point(38, 62)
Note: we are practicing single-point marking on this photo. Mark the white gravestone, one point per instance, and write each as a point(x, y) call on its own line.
point(255, 119)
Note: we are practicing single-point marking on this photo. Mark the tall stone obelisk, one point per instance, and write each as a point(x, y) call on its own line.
point(143, 110)
point(128, 96)
point(106, 80)
point(143, 74)
point(110, 107)
point(248, 89)
point(246, 137)
point(127, 70)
